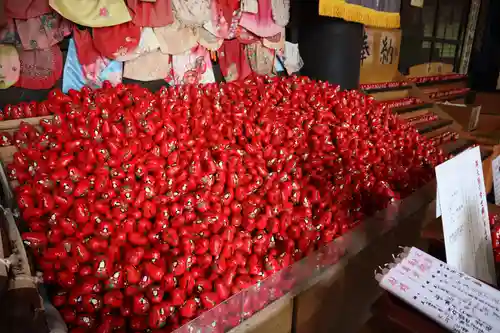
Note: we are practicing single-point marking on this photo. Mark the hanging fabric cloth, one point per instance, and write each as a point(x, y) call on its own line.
point(281, 11)
point(208, 40)
point(9, 66)
point(261, 58)
point(233, 60)
point(176, 39)
point(25, 9)
point(148, 43)
point(93, 13)
point(40, 69)
point(291, 58)
point(9, 35)
point(262, 23)
point(224, 20)
point(250, 6)
point(192, 13)
point(276, 42)
point(118, 40)
point(380, 14)
point(148, 67)
point(245, 36)
point(42, 32)
point(151, 14)
point(229, 8)
point(191, 67)
point(95, 68)
point(75, 78)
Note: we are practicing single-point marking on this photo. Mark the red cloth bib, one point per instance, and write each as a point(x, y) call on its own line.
point(118, 40)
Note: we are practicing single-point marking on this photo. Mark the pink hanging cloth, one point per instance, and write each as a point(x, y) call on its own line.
point(245, 36)
point(151, 14)
point(229, 8)
point(261, 23)
point(43, 32)
point(226, 16)
point(233, 60)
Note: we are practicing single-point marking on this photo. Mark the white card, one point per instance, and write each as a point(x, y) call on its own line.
point(464, 210)
point(495, 168)
point(417, 3)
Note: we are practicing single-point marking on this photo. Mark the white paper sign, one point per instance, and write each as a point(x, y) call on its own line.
point(464, 210)
point(417, 3)
point(495, 168)
point(452, 298)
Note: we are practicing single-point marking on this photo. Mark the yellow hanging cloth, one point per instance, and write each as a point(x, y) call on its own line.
point(359, 14)
point(93, 13)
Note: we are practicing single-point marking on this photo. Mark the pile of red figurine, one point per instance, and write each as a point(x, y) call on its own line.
point(25, 110)
point(147, 209)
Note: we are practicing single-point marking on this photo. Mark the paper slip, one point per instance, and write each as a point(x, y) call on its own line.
point(495, 166)
point(452, 298)
point(464, 210)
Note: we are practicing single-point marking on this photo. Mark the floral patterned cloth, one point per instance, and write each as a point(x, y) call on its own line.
point(40, 69)
point(192, 12)
point(148, 43)
point(245, 36)
point(176, 39)
point(42, 32)
point(9, 66)
point(148, 67)
point(262, 23)
point(92, 13)
point(151, 14)
point(281, 11)
point(117, 40)
point(191, 67)
point(261, 58)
